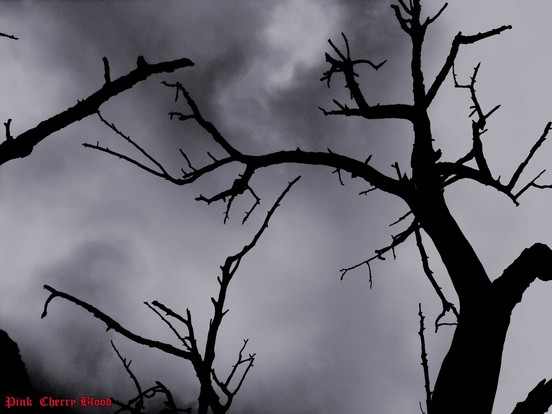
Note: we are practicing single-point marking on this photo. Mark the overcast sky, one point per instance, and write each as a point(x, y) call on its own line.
point(114, 236)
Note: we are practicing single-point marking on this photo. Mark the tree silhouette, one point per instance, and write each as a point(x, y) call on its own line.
point(18, 382)
point(468, 377)
point(21, 146)
point(216, 393)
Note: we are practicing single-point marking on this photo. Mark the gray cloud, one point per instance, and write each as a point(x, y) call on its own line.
point(104, 231)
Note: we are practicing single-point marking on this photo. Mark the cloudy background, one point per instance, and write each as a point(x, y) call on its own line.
point(114, 236)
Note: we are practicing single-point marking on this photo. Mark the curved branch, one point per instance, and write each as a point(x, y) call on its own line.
point(533, 263)
point(252, 162)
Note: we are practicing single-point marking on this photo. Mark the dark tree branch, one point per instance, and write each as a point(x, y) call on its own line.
point(452, 172)
point(169, 324)
point(22, 145)
point(253, 206)
point(252, 163)
point(538, 401)
point(404, 22)
point(107, 71)
point(132, 161)
point(401, 218)
point(424, 363)
point(533, 183)
point(7, 125)
point(445, 303)
point(478, 125)
point(159, 388)
point(459, 40)
point(422, 192)
point(533, 263)
point(519, 170)
point(114, 128)
point(338, 172)
point(365, 192)
point(112, 324)
point(198, 117)
point(379, 253)
point(126, 365)
point(9, 36)
point(225, 385)
point(202, 364)
point(343, 63)
point(430, 20)
point(189, 341)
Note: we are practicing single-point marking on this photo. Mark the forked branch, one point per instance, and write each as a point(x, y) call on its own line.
point(452, 172)
point(396, 240)
point(342, 62)
point(252, 163)
point(136, 405)
point(225, 385)
point(189, 350)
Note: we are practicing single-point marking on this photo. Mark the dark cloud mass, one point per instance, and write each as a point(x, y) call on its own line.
point(106, 232)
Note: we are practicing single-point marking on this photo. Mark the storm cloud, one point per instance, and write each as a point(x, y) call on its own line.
point(106, 232)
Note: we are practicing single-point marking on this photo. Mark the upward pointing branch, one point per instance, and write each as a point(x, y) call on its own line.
point(424, 363)
point(22, 145)
point(459, 40)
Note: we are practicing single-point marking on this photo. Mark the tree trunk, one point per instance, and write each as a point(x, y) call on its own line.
point(468, 377)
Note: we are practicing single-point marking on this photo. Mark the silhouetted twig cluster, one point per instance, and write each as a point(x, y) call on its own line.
point(216, 392)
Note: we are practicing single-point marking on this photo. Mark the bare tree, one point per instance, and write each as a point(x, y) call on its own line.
point(216, 392)
point(21, 145)
point(468, 377)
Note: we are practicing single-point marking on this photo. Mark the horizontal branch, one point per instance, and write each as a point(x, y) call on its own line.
point(333, 160)
point(389, 111)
